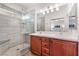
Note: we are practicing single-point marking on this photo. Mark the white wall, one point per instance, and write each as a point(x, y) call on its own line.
point(78, 16)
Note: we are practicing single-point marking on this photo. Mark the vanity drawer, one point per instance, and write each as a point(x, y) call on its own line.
point(45, 51)
point(46, 40)
point(45, 45)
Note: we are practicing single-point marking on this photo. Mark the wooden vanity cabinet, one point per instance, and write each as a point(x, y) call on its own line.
point(63, 48)
point(36, 45)
point(54, 47)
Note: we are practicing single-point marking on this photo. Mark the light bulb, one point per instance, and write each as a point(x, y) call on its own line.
point(43, 13)
point(47, 11)
point(51, 10)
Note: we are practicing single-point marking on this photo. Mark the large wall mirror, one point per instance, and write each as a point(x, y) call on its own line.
point(64, 19)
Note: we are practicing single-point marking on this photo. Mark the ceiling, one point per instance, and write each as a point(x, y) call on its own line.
point(30, 6)
point(24, 7)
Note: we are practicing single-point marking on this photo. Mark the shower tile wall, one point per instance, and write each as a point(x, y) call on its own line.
point(10, 29)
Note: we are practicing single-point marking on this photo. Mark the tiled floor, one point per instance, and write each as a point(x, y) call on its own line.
point(14, 52)
point(29, 54)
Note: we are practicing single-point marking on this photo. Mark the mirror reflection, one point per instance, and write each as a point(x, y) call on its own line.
point(57, 18)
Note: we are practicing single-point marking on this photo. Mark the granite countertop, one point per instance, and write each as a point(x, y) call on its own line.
point(62, 36)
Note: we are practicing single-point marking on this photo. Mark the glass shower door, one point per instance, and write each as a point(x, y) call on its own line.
point(27, 27)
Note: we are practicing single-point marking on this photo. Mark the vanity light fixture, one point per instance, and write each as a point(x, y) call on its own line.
point(49, 9)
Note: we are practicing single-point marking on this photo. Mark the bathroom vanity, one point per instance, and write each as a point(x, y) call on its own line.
point(54, 44)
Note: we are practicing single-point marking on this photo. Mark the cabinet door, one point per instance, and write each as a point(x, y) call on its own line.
point(70, 48)
point(56, 48)
point(36, 45)
point(63, 48)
